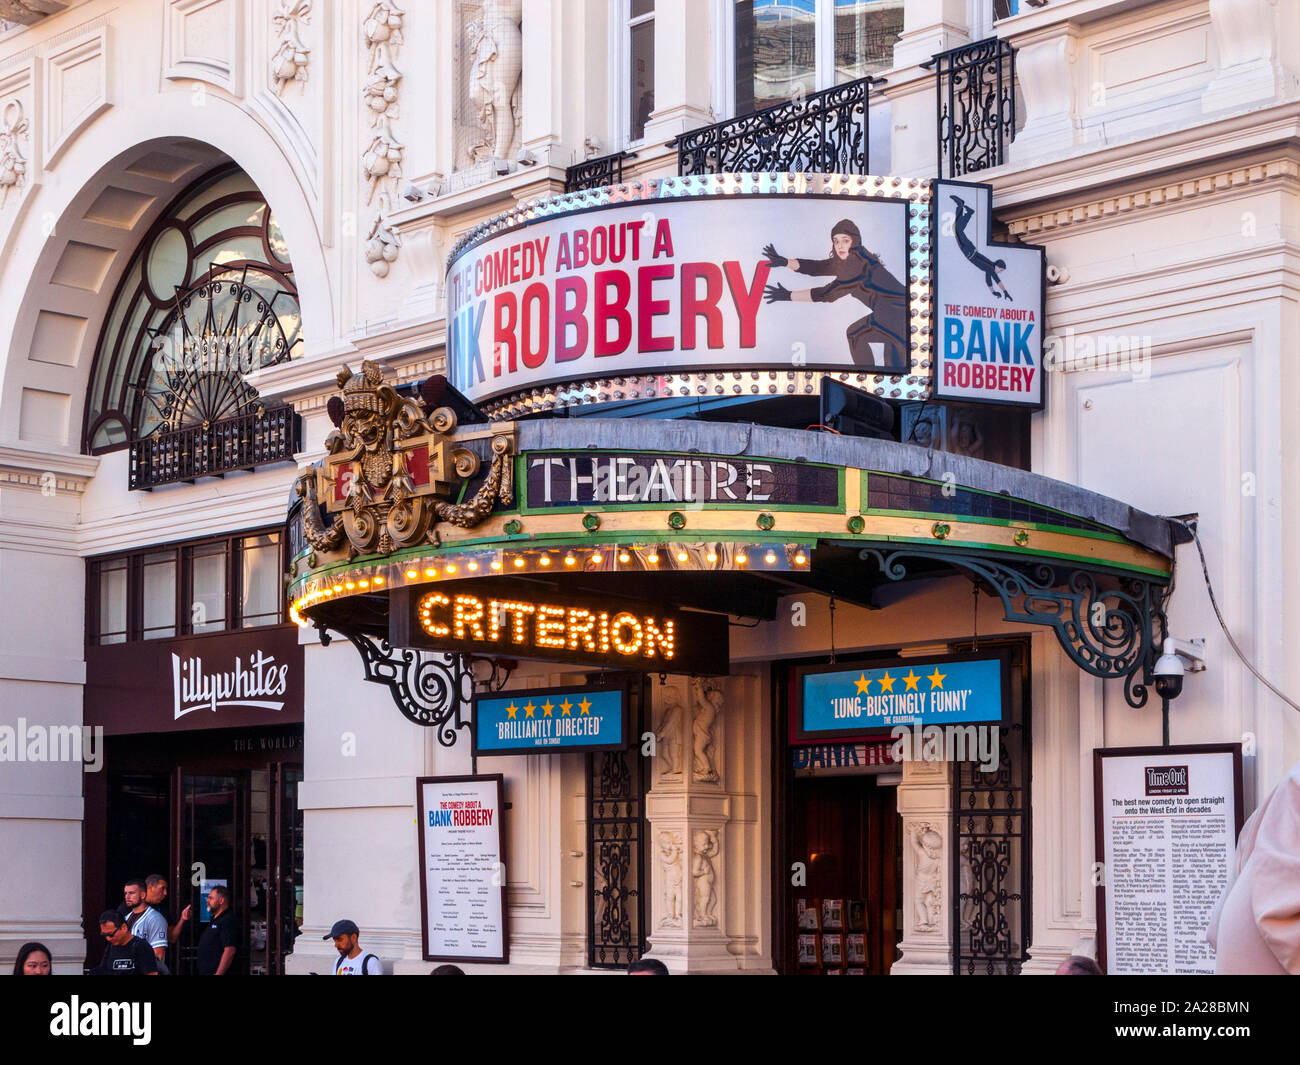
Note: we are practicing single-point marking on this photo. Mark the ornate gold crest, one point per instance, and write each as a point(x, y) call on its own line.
point(392, 468)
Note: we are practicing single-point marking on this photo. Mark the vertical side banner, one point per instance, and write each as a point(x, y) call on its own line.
point(988, 304)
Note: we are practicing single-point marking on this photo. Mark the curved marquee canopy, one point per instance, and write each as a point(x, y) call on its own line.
point(697, 515)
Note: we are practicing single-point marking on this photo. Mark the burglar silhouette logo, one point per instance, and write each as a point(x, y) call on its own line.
point(990, 268)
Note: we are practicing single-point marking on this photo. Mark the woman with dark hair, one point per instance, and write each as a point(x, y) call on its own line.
point(34, 959)
point(859, 273)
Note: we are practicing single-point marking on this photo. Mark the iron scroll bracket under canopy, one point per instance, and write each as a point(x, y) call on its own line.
point(1109, 632)
point(429, 689)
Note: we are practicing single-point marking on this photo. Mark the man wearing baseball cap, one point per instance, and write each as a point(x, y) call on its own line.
point(351, 961)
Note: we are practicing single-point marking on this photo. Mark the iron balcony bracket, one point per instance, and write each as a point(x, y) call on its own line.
point(1107, 632)
point(429, 689)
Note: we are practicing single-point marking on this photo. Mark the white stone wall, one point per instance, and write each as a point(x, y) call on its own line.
point(123, 104)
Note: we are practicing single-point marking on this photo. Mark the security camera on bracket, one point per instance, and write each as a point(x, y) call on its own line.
point(1179, 657)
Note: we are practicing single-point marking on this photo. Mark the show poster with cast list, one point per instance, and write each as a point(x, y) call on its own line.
point(463, 868)
point(1169, 821)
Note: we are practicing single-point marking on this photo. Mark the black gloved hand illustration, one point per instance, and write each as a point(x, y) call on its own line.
point(774, 258)
point(776, 293)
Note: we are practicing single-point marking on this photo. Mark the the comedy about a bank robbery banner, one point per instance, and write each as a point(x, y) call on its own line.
point(686, 285)
point(988, 304)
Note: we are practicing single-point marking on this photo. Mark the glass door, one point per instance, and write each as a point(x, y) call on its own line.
point(284, 900)
point(214, 844)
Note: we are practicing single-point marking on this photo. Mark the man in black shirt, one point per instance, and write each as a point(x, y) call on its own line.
point(125, 954)
point(219, 940)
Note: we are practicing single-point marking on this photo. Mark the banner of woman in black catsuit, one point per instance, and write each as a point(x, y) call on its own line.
point(859, 273)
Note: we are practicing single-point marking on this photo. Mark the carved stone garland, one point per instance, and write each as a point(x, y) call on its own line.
point(381, 164)
point(289, 63)
point(13, 166)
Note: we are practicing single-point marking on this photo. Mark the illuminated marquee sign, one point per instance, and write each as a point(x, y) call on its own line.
point(683, 284)
point(591, 629)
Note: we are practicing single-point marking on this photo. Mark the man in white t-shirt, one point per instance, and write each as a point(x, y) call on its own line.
point(145, 922)
point(352, 960)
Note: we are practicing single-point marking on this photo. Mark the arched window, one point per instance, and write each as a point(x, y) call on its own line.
point(208, 297)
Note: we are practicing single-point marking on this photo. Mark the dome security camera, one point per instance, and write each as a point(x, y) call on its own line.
point(1169, 676)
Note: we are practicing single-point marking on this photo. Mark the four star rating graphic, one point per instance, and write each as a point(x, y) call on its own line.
point(887, 682)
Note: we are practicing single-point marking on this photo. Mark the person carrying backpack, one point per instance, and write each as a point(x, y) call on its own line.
point(352, 962)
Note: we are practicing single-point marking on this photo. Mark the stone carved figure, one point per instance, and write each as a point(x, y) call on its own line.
point(668, 737)
point(705, 878)
point(708, 706)
point(382, 241)
point(927, 846)
point(13, 166)
point(966, 885)
point(494, 77)
point(289, 63)
point(670, 862)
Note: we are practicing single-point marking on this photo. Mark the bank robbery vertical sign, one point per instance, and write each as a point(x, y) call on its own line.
point(988, 304)
point(684, 285)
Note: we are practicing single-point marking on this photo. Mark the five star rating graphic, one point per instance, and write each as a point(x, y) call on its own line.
point(545, 720)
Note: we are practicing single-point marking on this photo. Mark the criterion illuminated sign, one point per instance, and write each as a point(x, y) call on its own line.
point(913, 692)
point(545, 721)
point(591, 628)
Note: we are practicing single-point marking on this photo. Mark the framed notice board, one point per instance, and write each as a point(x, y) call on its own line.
point(1167, 820)
point(462, 868)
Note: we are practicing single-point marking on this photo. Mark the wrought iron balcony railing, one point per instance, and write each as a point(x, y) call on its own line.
point(822, 132)
point(596, 173)
point(976, 94)
point(244, 442)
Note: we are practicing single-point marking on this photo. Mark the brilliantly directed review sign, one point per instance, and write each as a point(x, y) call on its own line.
point(1167, 823)
point(864, 700)
point(551, 720)
point(462, 868)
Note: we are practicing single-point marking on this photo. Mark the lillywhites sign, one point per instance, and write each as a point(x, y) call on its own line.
point(245, 686)
point(939, 692)
point(988, 304)
point(242, 679)
point(780, 281)
point(550, 720)
point(580, 479)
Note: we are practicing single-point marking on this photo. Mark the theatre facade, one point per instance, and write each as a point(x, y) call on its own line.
point(711, 506)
